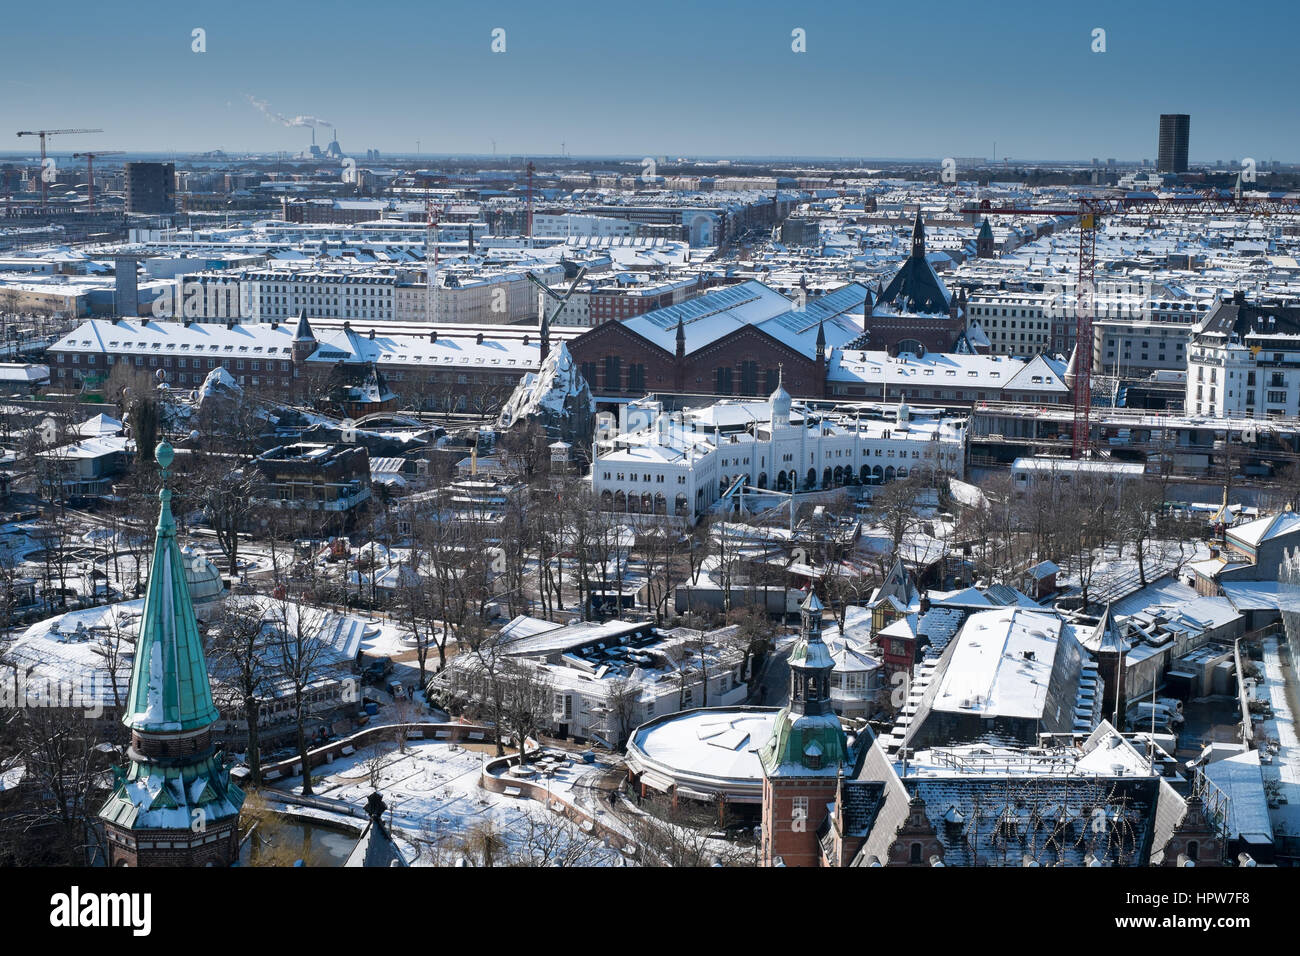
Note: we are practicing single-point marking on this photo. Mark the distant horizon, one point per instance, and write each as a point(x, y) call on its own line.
point(673, 158)
point(729, 79)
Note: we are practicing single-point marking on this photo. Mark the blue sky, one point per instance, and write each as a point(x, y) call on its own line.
point(928, 79)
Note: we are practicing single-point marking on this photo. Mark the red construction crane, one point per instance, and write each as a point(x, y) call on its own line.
point(42, 133)
point(1089, 209)
point(90, 171)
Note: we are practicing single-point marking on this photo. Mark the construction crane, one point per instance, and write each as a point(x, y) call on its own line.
point(42, 133)
point(90, 171)
point(1089, 210)
point(560, 302)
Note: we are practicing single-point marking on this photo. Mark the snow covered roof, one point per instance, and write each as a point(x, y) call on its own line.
point(718, 313)
point(1262, 595)
point(1254, 533)
point(705, 749)
point(934, 369)
point(1001, 665)
point(506, 348)
point(1241, 779)
point(99, 425)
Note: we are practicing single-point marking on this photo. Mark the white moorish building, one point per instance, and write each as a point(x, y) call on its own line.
point(680, 463)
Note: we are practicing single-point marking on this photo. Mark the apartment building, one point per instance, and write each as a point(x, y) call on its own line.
point(1244, 361)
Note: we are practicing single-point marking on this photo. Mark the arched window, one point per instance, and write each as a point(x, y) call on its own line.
point(620, 501)
point(661, 505)
point(762, 479)
point(839, 476)
point(811, 481)
point(1193, 848)
point(864, 474)
point(681, 505)
point(826, 478)
point(781, 483)
point(606, 501)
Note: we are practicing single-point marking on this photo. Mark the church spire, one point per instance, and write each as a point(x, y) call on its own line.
point(169, 680)
point(173, 803)
point(918, 235)
point(303, 333)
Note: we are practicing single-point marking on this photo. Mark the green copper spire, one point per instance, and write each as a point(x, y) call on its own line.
point(169, 681)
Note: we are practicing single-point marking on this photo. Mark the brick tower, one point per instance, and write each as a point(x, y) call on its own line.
point(984, 241)
point(803, 757)
point(173, 804)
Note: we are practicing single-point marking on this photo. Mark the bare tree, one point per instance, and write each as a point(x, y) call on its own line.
point(895, 507)
point(485, 841)
point(621, 699)
point(375, 760)
point(228, 502)
point(527, 698)
point(242, 656)
point(548, 839)
point(299, 659)
point(114, 645)
point(61, 765)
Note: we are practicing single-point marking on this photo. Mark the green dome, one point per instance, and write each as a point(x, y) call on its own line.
point(802, 744)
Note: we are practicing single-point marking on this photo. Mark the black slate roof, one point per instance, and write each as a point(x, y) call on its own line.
point(1237, 318)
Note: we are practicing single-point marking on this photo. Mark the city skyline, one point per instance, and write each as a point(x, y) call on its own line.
point(893, 85)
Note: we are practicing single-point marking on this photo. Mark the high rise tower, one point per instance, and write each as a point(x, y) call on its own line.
point(173, 804)
point(1175, 130)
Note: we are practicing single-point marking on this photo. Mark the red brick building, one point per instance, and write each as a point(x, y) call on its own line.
point(729, 342)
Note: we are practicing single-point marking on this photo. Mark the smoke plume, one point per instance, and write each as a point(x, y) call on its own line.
point(264, 108)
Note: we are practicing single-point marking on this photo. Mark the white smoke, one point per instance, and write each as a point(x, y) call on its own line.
point(265, 109)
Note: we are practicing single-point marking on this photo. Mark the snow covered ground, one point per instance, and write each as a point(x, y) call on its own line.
point(437, 805)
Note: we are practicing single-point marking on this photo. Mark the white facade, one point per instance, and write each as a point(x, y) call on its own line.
point(679, 464)
point(1016, 323)
point(359, 296)
point(1244, 367)
point(472, 297)
point(571, 224)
